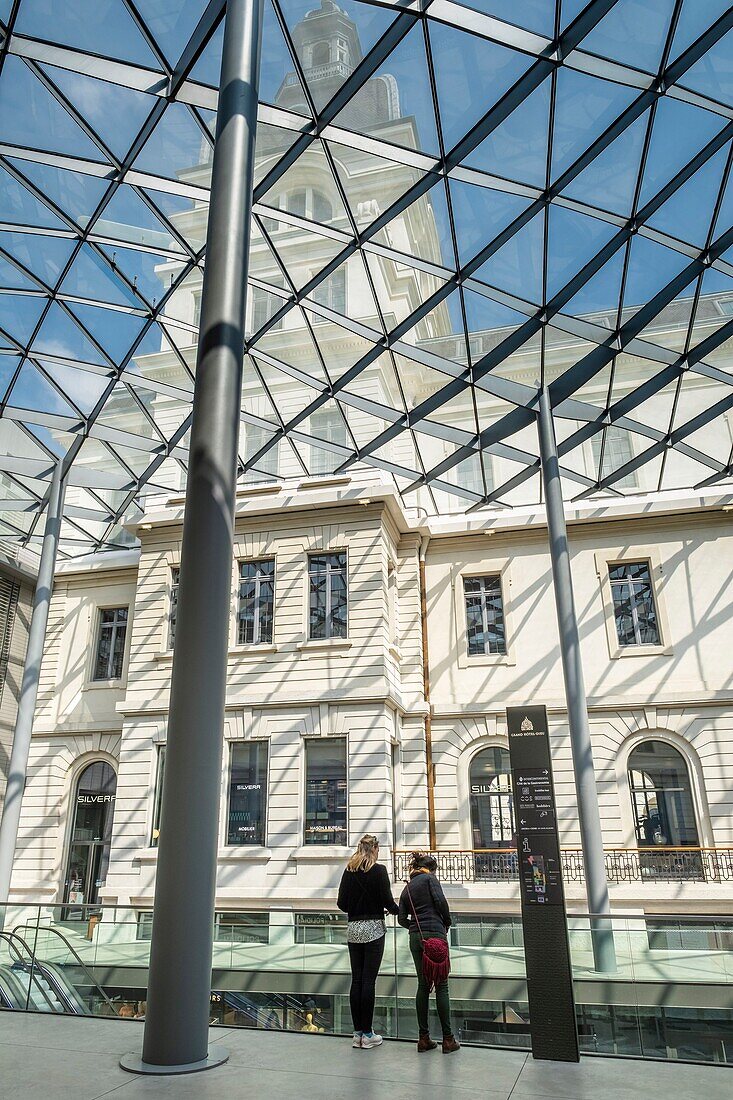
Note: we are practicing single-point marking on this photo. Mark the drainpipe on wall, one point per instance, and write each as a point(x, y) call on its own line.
point(429, 767)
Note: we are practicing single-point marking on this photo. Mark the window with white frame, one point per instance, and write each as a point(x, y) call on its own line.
point(247, 793)
point(173, 606)
point(468, 474)
point(256, 611)
point(255, 438)
point(264, 306)
point(331, 293)
point(485, 624)
point(328, 596)
point(661, 796)
point(111, 634)
point(634, 607)
point(492, 806)
point(325, 790)
point(320, 54)
point(307, 202)
point(617, 451)
point(329, 425)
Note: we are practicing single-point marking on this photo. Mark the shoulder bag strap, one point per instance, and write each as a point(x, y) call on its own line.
point(414, 912)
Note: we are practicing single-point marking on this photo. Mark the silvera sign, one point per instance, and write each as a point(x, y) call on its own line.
point(92, 798)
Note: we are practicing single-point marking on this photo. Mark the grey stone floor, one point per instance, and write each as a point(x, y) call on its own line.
point(58, 1057)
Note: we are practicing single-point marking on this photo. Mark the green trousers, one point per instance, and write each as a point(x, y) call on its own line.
point(422, 999)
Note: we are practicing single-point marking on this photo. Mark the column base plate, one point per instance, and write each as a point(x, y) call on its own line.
point(133, 1063)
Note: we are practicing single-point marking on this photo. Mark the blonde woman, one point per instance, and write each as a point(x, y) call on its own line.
point(365, 895)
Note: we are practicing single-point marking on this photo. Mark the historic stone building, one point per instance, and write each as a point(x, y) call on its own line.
point(326, 704)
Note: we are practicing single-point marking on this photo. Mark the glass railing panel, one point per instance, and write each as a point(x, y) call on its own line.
point(684, 949)
point(668, 997)
point(600, 946)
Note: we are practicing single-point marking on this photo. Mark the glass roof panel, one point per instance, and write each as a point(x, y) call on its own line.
point(634, 32)
point(102, 27)
point(446, 218)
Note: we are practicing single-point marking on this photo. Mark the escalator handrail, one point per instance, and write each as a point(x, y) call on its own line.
point(92, 980)
point(11, 990)
point(64, 990)
point(29, 963)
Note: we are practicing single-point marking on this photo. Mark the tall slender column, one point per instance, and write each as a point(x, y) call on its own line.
point(179, 985)
point(29, 688)
point(596, 884)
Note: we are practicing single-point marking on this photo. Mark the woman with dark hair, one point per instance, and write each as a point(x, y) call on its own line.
point(424, 912)
point(364, 895)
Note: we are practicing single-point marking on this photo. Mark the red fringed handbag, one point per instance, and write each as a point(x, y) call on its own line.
point(435, 953)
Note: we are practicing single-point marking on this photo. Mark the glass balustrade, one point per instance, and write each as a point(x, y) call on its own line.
point(670, 996)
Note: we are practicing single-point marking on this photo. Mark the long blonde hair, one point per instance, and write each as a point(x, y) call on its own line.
point(365, 855)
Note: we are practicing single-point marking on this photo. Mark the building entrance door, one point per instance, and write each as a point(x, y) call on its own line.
point(86, 868)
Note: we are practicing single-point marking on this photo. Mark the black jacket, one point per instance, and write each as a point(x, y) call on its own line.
point(430, 905)
point(364, 895)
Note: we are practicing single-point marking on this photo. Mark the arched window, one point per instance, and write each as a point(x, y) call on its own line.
point(307, 202)
point(297, 201)
point(320, 54)
point(93, 811)
point(492, 810)
point(661, 797)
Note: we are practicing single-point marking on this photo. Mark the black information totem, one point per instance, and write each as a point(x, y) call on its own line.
point(553, 1026)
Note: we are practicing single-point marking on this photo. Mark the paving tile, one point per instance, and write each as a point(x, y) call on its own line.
point(45, 1074)
point(394, 1062)
point(41, 1030)
point(55, 1057)
point(233, 1081)
point(622, 1079)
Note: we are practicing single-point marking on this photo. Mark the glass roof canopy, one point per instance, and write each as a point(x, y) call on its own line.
point(455, 205)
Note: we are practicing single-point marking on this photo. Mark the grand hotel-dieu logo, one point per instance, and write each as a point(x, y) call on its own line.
point(526, 726)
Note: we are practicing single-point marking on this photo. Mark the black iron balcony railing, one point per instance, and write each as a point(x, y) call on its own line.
point(622, 865)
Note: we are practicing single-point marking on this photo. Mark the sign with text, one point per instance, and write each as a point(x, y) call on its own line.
point(549, 975)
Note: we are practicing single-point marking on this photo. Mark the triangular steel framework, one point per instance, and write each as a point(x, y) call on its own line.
point(452, 211)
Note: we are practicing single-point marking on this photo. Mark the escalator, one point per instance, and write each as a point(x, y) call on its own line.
point(23, 988)
point(30, 983)
point(283, 1011)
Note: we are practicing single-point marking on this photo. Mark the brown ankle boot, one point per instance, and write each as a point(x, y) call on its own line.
point(425, 1043)
point(450, 1045)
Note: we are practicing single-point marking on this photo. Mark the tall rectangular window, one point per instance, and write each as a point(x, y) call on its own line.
point(155, 832)
point(331, 292)
point(328, 596)
point(255, 438)
point(329, 425)
point(256, 602)
point(634, 608)
point(264, 305)
point(247, 793)
point(173, 607)
point(325, 790)
point(110, 643)
point(485, 627)
point(617, 451)
point(468, 474)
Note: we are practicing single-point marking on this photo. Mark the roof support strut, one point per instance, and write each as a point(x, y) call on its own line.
point(179, 987)
point(591, 837)
point(19, 753)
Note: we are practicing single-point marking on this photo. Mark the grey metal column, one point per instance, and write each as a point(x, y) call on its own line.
point(179, 985)
point(596, 884)
point(29, 688)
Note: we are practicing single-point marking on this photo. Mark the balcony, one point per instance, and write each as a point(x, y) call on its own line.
point(650, 865)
